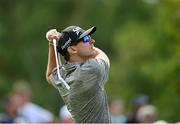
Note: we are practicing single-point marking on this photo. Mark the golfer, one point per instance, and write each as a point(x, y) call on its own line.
point(85, 71)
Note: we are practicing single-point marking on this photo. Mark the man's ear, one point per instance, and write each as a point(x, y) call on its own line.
point(72, 49)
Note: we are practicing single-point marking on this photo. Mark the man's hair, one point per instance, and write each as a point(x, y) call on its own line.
point(67, 55)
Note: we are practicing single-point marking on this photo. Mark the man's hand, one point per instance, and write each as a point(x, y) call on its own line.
point(52, 34)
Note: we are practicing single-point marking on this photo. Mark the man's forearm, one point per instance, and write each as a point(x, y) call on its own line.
point(50, 35)
point(51, 61)
point(101, 54)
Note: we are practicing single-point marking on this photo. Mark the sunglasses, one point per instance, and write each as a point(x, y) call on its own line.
point(86, 39)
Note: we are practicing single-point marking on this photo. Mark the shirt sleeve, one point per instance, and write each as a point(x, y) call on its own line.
point(95, 69)
point(54, 76)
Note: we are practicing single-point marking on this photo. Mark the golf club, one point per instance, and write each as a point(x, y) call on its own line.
point(57, 65)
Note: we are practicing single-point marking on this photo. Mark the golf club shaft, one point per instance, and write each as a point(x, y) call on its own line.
point(57, 65)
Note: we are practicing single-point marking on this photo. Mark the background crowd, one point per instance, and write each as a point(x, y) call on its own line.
point(19, 108)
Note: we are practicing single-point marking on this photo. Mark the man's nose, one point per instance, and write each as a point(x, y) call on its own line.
point(92, 41)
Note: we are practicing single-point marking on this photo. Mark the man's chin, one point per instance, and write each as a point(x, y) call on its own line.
point(93, 55)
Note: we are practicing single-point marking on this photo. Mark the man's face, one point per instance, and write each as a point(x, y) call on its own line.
point(85, 49)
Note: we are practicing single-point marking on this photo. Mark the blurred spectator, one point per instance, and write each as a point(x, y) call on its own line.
point(116, 108)
point(29, 111)
point(146, 114)
point(10, 108)
point(138, 102)
point(65, 115)
point(161, 122)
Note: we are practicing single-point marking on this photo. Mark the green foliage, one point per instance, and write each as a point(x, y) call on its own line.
point(141, 38)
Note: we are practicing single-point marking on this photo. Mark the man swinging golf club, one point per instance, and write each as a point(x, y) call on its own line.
point(81, 79)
